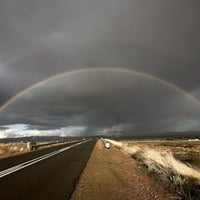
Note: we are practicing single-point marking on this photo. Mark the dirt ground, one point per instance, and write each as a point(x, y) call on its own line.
point(111, 174)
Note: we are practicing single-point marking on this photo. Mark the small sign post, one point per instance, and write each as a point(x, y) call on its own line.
point(62, 135)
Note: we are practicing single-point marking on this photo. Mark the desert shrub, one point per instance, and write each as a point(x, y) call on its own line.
point(186, 188)
point(191, 158)
point(138, 156)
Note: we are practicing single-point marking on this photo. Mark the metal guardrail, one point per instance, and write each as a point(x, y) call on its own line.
point(32, 145)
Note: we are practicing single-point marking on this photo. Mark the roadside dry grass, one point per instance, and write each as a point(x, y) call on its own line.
point(173, 164)
point(14, 148)
point(8, 149)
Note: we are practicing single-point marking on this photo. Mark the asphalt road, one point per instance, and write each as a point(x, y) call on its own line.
point(53, 178)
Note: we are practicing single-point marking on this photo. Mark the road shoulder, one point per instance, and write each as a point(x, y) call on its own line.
point(111, 174)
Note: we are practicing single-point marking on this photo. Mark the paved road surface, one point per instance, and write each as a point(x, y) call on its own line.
point(51, 179)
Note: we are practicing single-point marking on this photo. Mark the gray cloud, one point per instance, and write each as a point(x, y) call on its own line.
point(42, 38)
point(103, 100)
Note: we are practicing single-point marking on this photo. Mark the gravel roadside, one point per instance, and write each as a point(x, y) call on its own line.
point(111, 175)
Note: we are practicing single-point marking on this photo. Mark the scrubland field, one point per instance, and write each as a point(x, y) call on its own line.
point(14, 148)
point(8, 149)
point(173, 164)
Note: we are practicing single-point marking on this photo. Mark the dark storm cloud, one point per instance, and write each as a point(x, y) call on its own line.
point(39, 39)
point(47, 63)
point(103, 101)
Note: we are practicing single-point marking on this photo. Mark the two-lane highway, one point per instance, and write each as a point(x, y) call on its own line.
point(52, 175)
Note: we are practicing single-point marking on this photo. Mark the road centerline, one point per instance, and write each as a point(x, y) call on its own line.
point(36, 160)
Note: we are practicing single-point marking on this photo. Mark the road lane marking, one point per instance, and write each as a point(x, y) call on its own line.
point(36, 160)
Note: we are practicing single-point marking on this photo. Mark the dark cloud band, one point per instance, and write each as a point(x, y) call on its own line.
point(114, 69)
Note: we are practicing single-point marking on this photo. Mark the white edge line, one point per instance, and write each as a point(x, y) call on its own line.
point(35, 160)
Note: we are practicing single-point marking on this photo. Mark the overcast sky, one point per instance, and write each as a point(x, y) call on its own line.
point(42, 38)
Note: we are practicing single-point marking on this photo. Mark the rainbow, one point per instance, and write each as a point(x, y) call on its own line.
point(98, 69)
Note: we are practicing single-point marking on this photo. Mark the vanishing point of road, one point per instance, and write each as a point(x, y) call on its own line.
point(47, 174)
